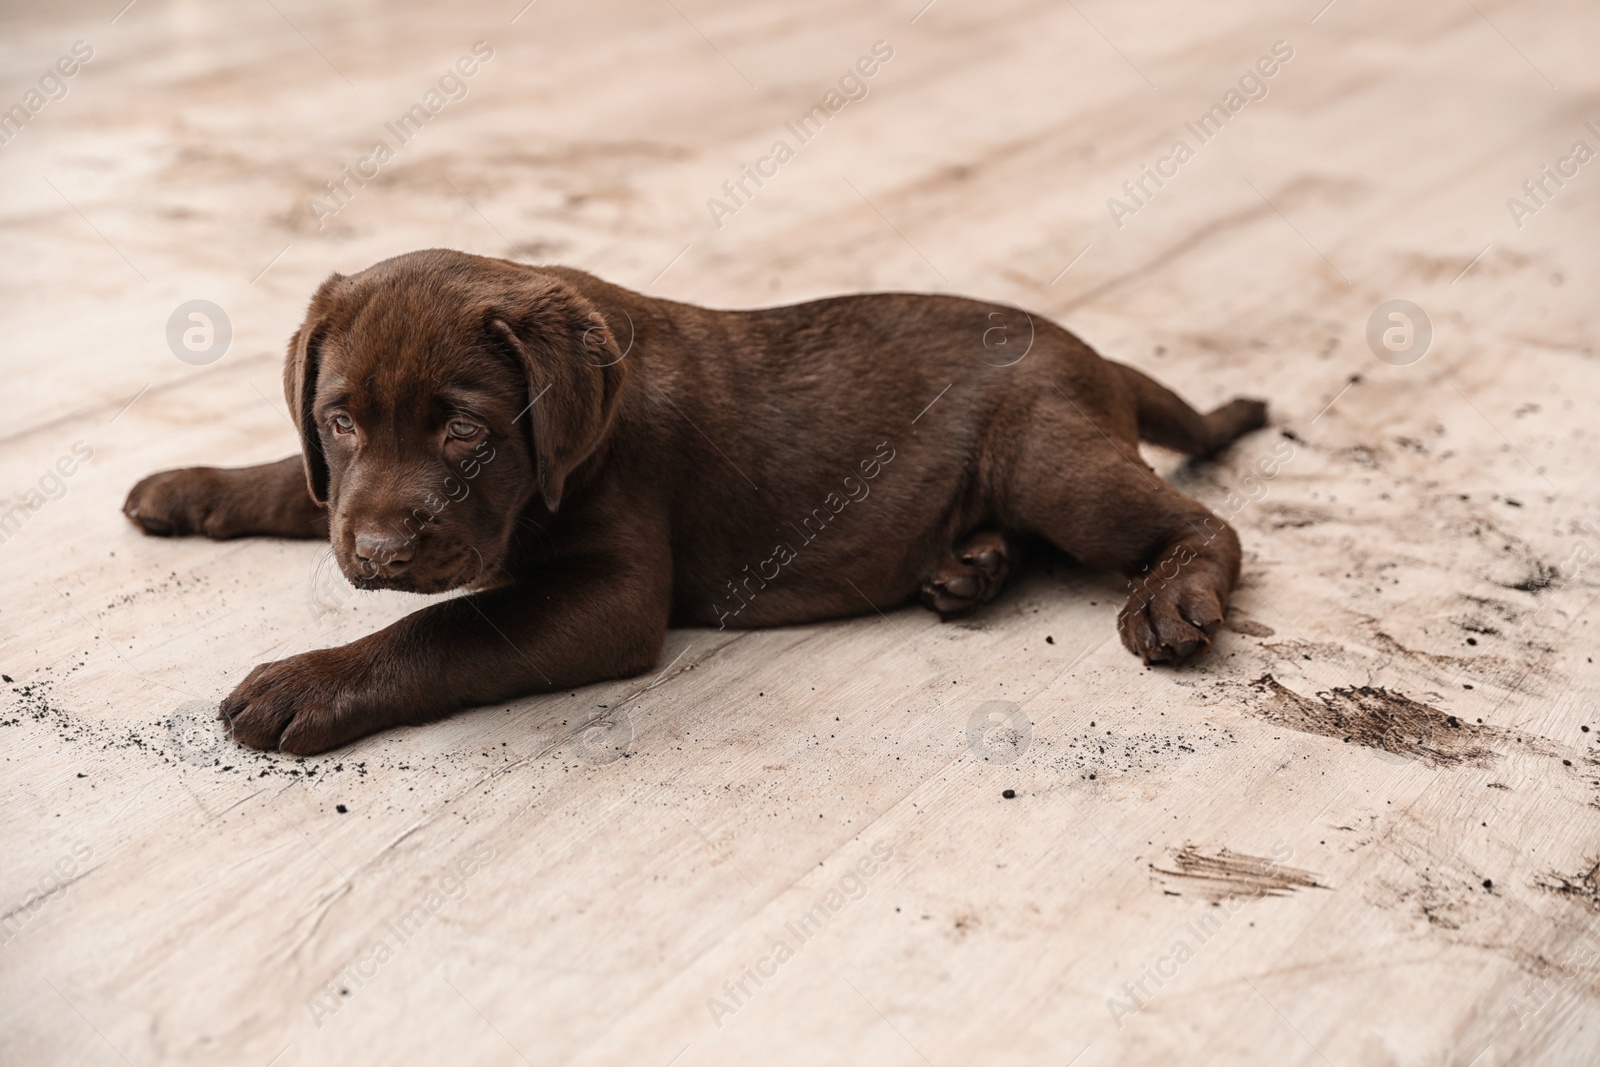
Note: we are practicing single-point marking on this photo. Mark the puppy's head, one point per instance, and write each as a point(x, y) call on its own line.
point(440, 398)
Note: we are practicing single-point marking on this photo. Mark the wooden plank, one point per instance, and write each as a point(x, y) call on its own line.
point(603, 876)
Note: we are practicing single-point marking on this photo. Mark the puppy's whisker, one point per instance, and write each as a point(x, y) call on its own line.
point(323, 587)
point(476, 580)
point(321, 565)
point(538, 530)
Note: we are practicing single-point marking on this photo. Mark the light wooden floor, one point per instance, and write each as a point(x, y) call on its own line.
point(1412, 853)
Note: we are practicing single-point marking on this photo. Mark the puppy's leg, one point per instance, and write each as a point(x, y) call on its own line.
point(270, 500)
point(579, 621)
point(972, 575)
point(1110, 510)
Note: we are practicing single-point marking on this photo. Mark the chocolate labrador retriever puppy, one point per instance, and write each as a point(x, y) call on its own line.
point(592, 465)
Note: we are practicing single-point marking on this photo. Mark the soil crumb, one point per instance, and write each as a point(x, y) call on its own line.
point(1234, 874)
point(1377, 718)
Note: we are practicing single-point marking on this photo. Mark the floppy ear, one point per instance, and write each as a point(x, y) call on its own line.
point(574, 372)
point(300, 389)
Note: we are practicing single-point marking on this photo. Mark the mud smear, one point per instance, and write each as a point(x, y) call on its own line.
point(1389, 643)
point(1377, 718)
point(1583, 887)
point(1234, 874)
point(1294, 516)
point(1537, 582)
point(1240, 625)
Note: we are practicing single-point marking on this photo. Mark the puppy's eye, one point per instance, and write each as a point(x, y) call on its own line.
point(462, 430)
point(343, 424)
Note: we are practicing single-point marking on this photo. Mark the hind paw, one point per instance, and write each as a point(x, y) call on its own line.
point(1172, 623)
point(972, 575)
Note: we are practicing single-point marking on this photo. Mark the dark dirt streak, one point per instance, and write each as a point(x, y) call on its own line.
point(1389, 644)
point(1377, 718)
point(1234, 874)
point(1583, 887)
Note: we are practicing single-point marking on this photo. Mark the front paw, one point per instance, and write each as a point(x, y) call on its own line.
point(193, 500)
point(305, 704)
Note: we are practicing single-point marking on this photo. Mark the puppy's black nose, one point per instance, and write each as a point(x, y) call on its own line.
point(383, 553)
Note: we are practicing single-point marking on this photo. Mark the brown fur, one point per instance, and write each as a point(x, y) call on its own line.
point(643, 462)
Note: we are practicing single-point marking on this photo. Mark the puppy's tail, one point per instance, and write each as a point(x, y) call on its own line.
point(1165, 420)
